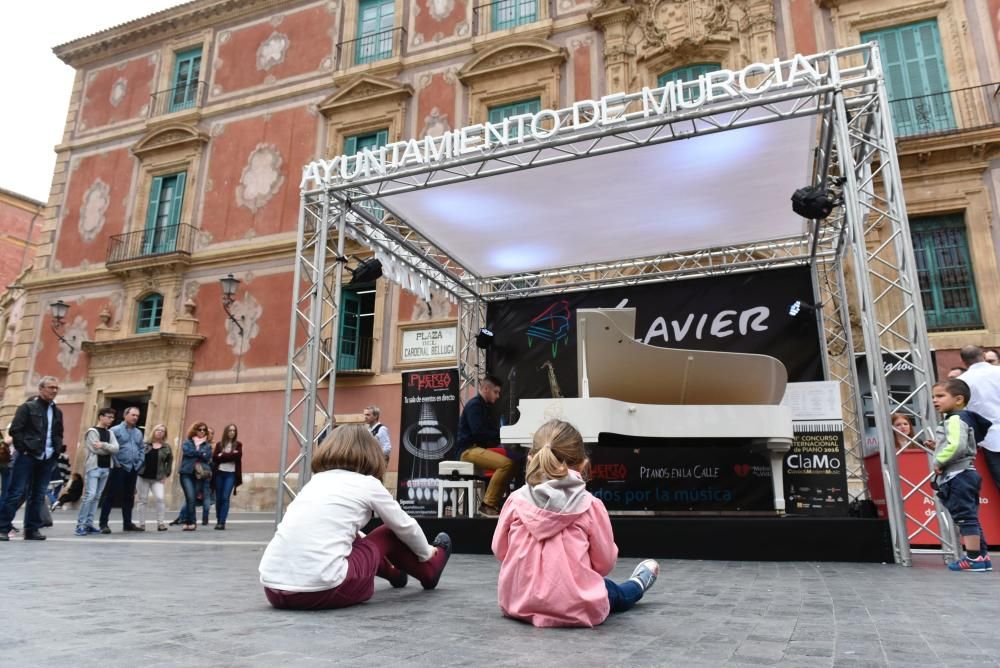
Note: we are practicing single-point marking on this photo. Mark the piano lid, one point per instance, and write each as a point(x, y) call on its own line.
point(610, 363)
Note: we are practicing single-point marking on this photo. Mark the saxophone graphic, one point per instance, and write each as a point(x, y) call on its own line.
point(553, 383)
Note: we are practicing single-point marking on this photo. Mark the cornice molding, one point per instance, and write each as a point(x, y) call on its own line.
point(157, 27)
point(142, 351)
point(174, 135)
point(512, 54)
point(365, 90)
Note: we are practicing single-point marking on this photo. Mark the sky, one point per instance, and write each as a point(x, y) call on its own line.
point(37, 89)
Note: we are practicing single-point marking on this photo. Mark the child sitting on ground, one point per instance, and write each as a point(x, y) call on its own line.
point(957, 481)
point(555, 542)
point(319, 559)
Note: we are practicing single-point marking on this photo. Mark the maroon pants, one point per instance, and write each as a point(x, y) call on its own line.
point(366, 560)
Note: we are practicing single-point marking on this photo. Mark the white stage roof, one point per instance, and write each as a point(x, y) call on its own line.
point(713, 190)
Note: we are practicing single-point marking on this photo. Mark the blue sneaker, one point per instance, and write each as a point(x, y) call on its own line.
point(92, 529)
point(977, 565)
point(80, 531)
point(645, 574)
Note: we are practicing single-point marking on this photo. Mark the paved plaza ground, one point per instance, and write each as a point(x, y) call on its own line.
point(193, 599)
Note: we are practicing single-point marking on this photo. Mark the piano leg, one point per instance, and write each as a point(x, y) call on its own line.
point(776, 449)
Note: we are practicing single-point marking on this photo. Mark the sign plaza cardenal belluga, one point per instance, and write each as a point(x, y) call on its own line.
point(547, 124)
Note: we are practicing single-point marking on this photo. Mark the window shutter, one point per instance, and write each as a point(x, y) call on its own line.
point(175, 208)
point(154, 203)
point(351, 146)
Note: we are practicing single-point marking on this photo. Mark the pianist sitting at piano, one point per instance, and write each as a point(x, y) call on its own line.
point(555, 543)
point(479, 429)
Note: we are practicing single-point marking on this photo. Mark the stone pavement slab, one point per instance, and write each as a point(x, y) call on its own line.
point(193, 599)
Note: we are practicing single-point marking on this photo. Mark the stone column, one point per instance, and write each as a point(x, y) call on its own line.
point(615, 19)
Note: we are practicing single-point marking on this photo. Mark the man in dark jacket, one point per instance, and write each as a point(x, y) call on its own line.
point(37, 431)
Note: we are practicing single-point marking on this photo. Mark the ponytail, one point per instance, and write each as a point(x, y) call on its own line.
point(556, 448)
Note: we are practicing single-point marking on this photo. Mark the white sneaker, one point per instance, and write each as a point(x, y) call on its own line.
point(645, 573)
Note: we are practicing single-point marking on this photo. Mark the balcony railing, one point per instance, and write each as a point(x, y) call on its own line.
point(178, 98)
point(371, 48)
point(354, 354)
point(503, 14)
point(151, 244)
point(947, 112)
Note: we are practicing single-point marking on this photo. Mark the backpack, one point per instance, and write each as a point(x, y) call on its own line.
point(980, 425)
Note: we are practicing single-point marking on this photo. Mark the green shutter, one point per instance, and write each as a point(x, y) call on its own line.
point(687, 73)
point(915, 78)
point(357, 143)
point(512, 13)
point(350, 326)
point(376, 19)
point(351, 145)
point(187, 69)
point(150, 314)
point(944, 272)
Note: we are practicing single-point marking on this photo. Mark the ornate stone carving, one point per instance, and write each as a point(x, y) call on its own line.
point(261, 178)
point(171, 136)
point(75, 334)
point(435, 124)
point(118, 91)
point(247, 311)
point(95, 205)
point(272, 51)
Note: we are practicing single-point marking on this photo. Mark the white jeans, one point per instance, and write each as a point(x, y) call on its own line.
point(143, 486)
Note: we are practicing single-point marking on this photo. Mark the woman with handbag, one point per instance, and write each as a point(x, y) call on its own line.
point(157, 464)
point(197, 453)
point(227, 465)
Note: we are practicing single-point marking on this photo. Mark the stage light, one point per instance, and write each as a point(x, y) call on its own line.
point(367, 271)
point(798, 306)
point(814, 202)
point(484, 339)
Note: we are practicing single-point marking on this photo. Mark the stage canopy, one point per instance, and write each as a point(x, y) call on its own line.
point(721, 189)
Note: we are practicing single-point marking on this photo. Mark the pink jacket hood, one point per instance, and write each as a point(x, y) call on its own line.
point(556, 545)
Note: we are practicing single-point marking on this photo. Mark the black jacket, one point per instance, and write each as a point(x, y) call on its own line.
point(30, 424)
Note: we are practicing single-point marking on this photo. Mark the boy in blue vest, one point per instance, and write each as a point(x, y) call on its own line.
point(956, 480)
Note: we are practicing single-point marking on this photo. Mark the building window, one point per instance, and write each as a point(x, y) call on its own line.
point(357, 326)
point(370, 140)
point(357, 143)
point(184, 89)
point(166, 198)
point(915, 78)
point(944, 269)
point(513, 13)
point(687, 73)
point(150, 312)
point(375, 23)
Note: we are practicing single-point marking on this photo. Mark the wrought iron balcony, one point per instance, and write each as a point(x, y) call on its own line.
point(151, 246)
point(186, 96)
point(371, 48)
point(354, 354)
point(947, 112)
point(503, 14)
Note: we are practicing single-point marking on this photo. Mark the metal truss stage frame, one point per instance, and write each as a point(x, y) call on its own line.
point(861, 258)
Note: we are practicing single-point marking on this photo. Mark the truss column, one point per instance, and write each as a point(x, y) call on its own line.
point(290, 371)
point(855, 403)
point(472, 316)
point(869, 327)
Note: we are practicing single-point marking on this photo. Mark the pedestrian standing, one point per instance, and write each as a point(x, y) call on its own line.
point(158, 462)
point(124, 469)
point(37, 431)
point(227, 460)
point(101, 445)
point(197, 455)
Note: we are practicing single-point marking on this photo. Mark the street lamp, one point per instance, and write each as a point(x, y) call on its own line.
point(59, 309)
point(230, 284)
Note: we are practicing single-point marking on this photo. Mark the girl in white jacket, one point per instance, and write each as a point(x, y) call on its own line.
point(318, 558)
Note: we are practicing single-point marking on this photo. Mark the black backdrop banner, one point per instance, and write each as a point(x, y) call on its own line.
point(428, 424)
point(534, 350)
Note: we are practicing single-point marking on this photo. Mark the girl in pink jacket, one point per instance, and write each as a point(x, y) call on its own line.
point(555, 542)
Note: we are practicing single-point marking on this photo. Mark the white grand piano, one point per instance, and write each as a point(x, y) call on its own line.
point(634, 389)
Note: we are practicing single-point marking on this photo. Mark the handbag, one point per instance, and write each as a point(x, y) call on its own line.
point(202, 472)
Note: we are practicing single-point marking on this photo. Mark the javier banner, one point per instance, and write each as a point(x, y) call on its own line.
point(534, 350)
point(429, 420)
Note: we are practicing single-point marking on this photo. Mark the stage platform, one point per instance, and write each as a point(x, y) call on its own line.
point(731, 538)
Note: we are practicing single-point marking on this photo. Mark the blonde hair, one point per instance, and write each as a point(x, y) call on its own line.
point(350, 447)
point(152, 433)
point(556, 448)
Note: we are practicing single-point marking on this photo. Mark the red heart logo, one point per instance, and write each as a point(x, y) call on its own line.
point(742, 470)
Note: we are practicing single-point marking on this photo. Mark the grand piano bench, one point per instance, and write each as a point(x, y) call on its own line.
point(459, 476)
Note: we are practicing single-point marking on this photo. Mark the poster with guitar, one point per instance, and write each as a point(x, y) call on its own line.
point(428, 424)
